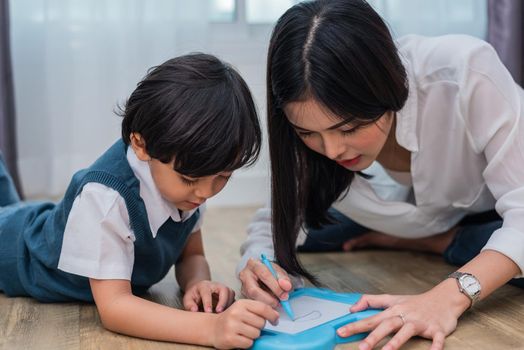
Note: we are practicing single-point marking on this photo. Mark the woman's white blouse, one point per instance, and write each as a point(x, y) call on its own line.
point(463, 123)
point(98, 239)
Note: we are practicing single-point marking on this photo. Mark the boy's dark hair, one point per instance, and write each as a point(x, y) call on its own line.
point(341, 54)
point(198, 110)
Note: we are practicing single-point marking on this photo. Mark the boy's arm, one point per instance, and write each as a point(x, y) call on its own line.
point(122, 312)
point(192, 266)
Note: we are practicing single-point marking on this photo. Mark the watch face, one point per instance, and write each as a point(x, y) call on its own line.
point(470, 284)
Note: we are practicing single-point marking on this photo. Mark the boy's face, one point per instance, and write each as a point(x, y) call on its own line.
point(185, 193)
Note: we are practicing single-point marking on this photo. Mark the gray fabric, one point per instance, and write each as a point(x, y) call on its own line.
point(7, 101)
point(506, 34)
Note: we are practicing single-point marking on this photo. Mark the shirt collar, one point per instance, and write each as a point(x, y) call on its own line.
point(407, 117)
point(158, 209)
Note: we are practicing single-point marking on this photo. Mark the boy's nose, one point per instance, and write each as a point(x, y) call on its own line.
point(204, 192)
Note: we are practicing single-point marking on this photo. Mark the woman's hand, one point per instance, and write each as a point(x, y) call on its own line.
point(259, 284)
point(203, 293)
point(239, 325)
point(432, 315)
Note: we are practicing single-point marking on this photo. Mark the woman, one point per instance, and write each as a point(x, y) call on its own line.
point(441, 117)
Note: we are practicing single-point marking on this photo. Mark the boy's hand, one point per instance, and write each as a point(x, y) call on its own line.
point(205, 293)
point(239, 325)
point(259, 284)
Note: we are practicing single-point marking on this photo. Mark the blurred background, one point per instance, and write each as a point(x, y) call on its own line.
point(66, 64)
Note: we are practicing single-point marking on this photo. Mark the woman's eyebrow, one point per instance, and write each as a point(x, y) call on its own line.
point(336, 126)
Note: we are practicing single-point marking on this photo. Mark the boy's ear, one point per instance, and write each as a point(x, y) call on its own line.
point(139, 146)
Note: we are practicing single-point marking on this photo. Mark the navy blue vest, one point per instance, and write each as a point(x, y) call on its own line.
point(37, 231)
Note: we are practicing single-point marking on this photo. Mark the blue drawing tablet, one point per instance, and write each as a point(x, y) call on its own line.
point(318, 314)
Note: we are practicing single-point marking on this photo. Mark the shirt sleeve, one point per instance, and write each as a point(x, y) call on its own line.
point(98, 241)
point(260, 241)
point(491, 104)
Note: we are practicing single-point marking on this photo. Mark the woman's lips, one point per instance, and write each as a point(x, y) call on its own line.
point(349, 162)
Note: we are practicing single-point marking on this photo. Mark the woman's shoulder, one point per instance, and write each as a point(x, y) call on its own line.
point(442, 51)
point(447, 57)
point(444, 45)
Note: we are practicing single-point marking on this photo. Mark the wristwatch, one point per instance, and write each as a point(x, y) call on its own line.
point(468, 285)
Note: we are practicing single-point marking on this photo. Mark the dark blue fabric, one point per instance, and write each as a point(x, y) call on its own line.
point(474, 232)
point(8, 193)
point(331, 237)
point(32, 234)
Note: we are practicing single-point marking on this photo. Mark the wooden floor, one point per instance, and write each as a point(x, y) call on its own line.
point(496, 323)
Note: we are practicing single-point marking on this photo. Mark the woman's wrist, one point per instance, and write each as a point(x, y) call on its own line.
point(450, 294)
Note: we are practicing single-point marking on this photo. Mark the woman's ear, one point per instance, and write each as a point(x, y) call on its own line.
point(139, 146)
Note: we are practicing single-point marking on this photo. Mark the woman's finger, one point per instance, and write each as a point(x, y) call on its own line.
point(406, 332)
point(367, 301)
point(382, 330)
point(364, 325)
point(266, 277)
point(252, 289)
point(438, 341)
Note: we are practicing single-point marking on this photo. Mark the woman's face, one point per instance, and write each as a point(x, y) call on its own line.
point(353, 147)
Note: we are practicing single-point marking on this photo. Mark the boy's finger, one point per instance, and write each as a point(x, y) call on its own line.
point(207, 301)
point(223, 298)
point(263, 310)
point(231, 299)
point(190, 304)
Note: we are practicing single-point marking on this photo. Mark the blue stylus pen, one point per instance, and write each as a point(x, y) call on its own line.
point(285, 304)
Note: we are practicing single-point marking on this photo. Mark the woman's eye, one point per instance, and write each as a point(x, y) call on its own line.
point(349, 131)
point(304, 134)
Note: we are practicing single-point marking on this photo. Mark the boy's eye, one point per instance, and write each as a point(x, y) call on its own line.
point(188, 181)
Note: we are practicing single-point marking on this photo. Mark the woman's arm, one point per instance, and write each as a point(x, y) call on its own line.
point(433, 314)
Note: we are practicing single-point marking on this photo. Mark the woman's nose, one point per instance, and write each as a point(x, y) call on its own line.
point(333, 147)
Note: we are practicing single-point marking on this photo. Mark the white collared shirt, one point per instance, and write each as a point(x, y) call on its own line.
point(463, 123)
point(98, 239)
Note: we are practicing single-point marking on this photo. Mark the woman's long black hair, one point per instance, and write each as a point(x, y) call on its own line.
point(341, 54)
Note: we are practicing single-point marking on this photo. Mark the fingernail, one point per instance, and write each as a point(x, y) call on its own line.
point(363, 346)
point(208, 309)
point(194, 308)
point(219, 309)
point(342, 332)
point(284, 296)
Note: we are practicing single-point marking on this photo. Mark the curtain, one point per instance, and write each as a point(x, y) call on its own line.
point(74, 60)
point(506, 34)
point(74, 63)
point(7, 103)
